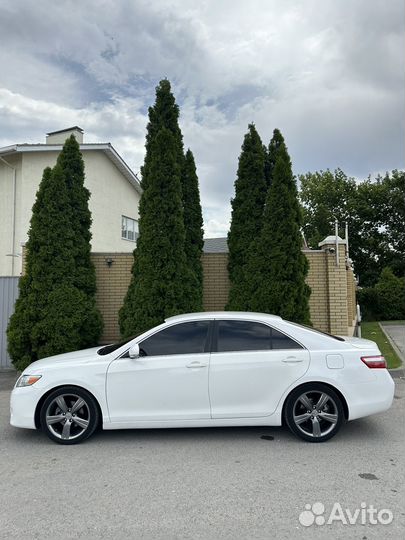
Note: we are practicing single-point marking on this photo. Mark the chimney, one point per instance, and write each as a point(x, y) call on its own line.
point(59, 137)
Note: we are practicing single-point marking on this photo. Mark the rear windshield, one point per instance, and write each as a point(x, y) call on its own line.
point(338, 338)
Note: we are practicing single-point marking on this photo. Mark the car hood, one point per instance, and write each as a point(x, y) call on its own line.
point(361, 343)
point(78, 357)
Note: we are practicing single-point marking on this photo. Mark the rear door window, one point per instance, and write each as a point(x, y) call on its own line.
point(242, 336)
point(235, 335)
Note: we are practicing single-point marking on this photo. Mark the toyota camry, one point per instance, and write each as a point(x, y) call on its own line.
point(206, 370)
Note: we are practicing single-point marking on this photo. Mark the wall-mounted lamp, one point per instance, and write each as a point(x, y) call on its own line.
point(109, 261)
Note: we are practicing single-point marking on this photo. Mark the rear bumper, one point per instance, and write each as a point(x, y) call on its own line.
point(370, 397)
point(23, 403)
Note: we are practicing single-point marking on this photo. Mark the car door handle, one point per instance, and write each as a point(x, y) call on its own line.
point(292, 360)
point(194, 365)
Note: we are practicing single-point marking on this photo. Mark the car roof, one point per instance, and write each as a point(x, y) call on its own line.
point(221, 315)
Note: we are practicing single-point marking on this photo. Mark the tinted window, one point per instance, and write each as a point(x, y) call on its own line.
point(185, 338)
point(281, 341)
point(243, 336)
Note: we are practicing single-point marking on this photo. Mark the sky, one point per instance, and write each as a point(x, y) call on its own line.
point(329, 74)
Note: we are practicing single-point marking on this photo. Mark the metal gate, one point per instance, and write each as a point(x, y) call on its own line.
point(8, 296)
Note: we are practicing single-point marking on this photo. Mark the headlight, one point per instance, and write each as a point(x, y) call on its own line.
point(27, 380)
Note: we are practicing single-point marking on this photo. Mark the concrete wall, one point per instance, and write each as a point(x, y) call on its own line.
point(111, 197)
point(332, 301)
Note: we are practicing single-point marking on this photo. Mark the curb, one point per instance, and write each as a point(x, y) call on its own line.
point(399, 353)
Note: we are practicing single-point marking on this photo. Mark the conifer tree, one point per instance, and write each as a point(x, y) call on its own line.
point(247, 214)
point(271, 154)
point(277, 266)
point(163, 114)
point(71, 161)
point(193, 224)
point(160, 270)
point(164, 244)
point(84, 277)
point(52, 315)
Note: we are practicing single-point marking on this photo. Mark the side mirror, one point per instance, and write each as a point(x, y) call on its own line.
point(134, 351)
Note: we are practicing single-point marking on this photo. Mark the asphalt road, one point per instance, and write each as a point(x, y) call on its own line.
point(201, 483)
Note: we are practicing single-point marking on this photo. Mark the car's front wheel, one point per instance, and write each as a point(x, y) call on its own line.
point(69, 415)
point(314, 412)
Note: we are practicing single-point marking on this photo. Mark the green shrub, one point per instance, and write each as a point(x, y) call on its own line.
point(386, 300)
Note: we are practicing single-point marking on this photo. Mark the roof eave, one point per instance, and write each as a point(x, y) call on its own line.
point(107, 148)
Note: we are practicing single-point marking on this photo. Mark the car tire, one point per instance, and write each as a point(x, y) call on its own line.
point(314, 412)
point(69, 415)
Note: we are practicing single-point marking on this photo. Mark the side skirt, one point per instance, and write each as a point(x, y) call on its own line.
point(273, 420)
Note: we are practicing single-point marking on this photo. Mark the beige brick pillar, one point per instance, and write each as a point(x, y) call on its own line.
point(351, 298)
point(336, 278)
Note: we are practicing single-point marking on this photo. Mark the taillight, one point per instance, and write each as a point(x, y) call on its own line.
point(374, 362)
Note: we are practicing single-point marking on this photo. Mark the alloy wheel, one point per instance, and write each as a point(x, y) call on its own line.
point(315, 414)
point(67, 416)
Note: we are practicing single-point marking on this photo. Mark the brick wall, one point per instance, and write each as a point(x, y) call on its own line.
point(112, 285)
point(216, 281)
point(332, 302)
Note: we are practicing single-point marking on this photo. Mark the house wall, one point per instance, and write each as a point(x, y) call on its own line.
point(111, 197)
point(332, 301)
point(6, 215)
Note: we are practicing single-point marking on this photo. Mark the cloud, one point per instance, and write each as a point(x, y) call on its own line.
point(329, 74)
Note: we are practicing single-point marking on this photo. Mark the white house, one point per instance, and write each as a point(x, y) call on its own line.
point(115, 193)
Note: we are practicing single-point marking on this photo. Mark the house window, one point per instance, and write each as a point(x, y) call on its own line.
point(129, 229)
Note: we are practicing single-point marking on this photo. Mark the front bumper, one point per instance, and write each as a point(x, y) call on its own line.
point(23, 403)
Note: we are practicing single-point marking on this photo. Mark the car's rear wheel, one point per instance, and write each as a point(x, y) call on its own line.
point(314, 412)
point(69, 415)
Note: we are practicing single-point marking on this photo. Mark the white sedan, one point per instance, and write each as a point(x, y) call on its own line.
point(206, 370)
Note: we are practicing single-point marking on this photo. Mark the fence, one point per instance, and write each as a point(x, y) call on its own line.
point(8, 296)
point(332, 301)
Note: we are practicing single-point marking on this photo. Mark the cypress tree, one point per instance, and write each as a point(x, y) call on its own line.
point(193, 224)
point(52, 315)
point(163, 114)
point(84, 274)
point(276, 141)
point(170, 225)
point(71, 162)
point(277, 267)
point(247, 214)
point(157, 289)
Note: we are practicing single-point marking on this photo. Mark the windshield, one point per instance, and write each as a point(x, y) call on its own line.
point(338, 338)
point(114, 346)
